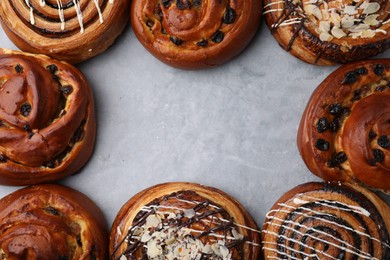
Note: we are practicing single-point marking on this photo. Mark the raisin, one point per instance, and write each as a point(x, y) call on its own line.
point(229, 16)
point(202, 43)
point(350, 77)
point(52, 68)
point(26, 127)
point(322, 124)
point(334, 125)
point(372, 162)
point(332, 163)
point(217, 37)
point(19, 68)
point(197, 2)
point(340, 157)
point(379, 69)
point(183, 4)
point(176, 41)
point(52, 211)
point(379, 156)
point(384, 142)
point(62, 257)
point(166, 3)
point(2, 158)
point(380, 88)
point(66, 90)
point(335, 109)
point(372, 134)
point(357, 95)
point(78, 239)
point(25, 109)
point(322, 145)
point(361, 71)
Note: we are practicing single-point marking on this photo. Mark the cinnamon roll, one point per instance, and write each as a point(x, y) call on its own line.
point(47, 119)
point(183, 220)
point(51, 222)
point(69, 30)
point(327, 32)
point(327, 221)
point(344, 131)
point(195, 34)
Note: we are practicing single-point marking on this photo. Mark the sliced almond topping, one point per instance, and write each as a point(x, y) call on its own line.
point(337, 32)
point(371, 19)
point(371, 8)
point(368, 34)
point(347, 21)
point(350, 9)
point(311, 9)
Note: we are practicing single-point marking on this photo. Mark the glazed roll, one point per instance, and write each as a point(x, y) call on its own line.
point(344, 131)
point(195, 34)
point(51, 222)
point(183, 220)
point(327, 221)
point(69, 30)
point(47, 119)
point(329, 32)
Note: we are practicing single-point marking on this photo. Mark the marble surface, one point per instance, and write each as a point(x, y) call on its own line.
point(232, 127)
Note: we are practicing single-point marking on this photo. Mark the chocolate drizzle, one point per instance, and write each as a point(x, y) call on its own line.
point(193, 219)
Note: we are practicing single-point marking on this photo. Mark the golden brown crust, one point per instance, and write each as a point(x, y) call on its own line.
point(327, 221)
point(47, 119)
point(329, 32)
point(184, 197)
point(64, 40)
point(195, 34)
point(51, 222)
point(344, 133)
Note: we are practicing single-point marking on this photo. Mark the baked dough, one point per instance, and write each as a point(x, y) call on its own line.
point(178, 220)
point(47, 117)
point(69, 30)
point(195, 34)
point(327, 221)
point(344, 131)
point(49, 222)
point(327, 32)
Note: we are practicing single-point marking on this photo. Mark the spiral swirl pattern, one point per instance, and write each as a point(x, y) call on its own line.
point(195, 34)
point(344, 131)
point(71, 30)
point(327, 221)
point(328, 32)
point(47, 119)
point(50, 222)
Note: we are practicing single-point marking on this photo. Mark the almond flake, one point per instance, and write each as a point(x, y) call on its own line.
point(237, 235)
point(152, 221)
point(347, 21)
point(189, 213)
point(367, 34)
point(350, 9)
point(335, 19)
point(337, 32)
point(371, 19)
point(145, 237)
point(313, 10)
point(371, 8)
point(153, 249)
point(224, 251)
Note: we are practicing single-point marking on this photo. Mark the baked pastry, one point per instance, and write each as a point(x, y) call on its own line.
point(69, 30)
point(327, 221)
point(344, 131)
point(47, 128)
point(195, 34)
point(51, 222)
point(183, 221)
point(329, 32)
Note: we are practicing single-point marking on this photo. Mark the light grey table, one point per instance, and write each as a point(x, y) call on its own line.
point(232, 127)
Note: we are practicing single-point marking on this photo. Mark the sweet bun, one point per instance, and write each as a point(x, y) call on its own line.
point(178, 220)
point(69, 30)
point(327, 221)
point(344, 131)
point(47, 128)
point(51, 222)
point(195, 34)
point(329, 32)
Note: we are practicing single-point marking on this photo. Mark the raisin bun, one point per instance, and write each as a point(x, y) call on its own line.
point(195, 34)
point(47, 119)
point(178, 220)
point(69, 30)
point(344, 131)
point(327, 32)
point(51, 222)
point(327, 221)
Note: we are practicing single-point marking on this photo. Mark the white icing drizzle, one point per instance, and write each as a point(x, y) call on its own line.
point(356, 209)
point(99, 11)
point(61, 14)
point(32, 19)
point(353, 249)
point(79, 13)
point(272, 219)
